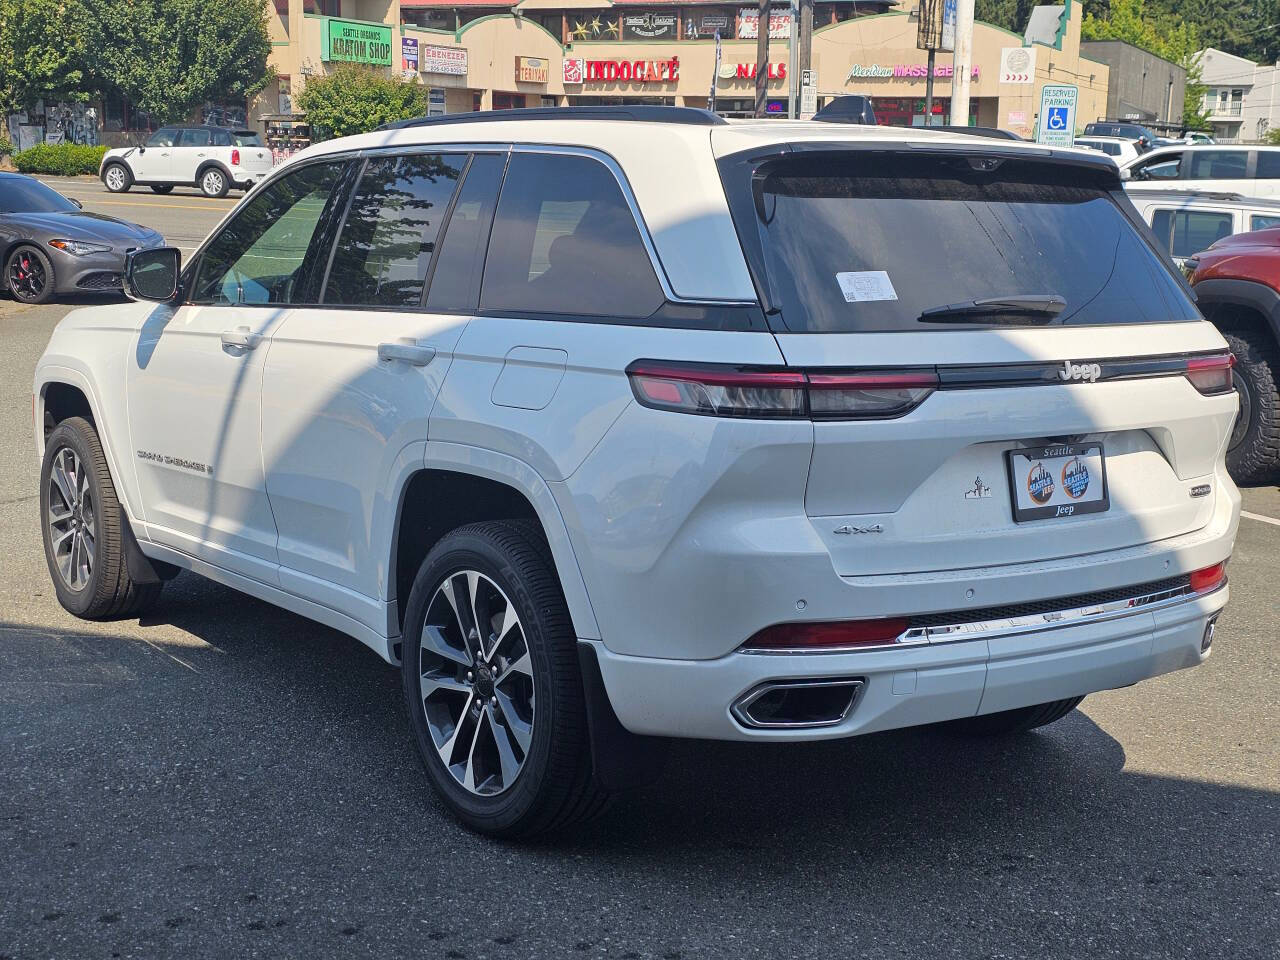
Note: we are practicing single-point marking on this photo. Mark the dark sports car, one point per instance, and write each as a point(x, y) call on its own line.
point(48, 245)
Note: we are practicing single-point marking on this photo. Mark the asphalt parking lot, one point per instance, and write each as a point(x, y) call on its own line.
point(226, 779)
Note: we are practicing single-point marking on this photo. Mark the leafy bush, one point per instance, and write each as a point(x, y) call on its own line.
point(353, 99)
point(6, 147)
point(62, 159)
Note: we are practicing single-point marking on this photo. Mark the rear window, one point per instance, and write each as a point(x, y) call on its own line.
point(850, 249)
point(246, 138)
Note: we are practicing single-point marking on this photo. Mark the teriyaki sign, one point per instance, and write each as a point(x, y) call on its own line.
point(347, 41)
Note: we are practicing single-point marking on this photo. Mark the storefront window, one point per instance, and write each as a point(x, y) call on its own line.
point(702, 23)
point(650, 25)
point(588, 25)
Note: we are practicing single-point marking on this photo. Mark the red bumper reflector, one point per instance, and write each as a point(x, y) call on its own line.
point(1209, 578)
point(845, 633)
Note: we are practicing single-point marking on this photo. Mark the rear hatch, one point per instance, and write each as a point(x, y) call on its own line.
point(1038, 343)
point(255, 156)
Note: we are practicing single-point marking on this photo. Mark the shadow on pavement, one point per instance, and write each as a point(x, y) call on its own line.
point(264, 784)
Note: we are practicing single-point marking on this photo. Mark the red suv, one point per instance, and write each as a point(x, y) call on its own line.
point(1237, 284)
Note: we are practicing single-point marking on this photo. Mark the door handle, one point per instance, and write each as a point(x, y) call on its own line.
point(406, 351)
point(241, 338)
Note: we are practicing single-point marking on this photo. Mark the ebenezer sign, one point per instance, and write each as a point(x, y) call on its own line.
point(345, 41)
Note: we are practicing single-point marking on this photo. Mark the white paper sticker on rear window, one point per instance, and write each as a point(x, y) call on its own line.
point(862, 285)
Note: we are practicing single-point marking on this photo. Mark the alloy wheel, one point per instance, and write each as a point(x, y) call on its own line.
point(27, 277)
point(477, 683)
point(71, 519)
point(115, 178)
point(1241, 426)
point(212, 183)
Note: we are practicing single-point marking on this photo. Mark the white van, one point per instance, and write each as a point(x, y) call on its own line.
point(1252, 171)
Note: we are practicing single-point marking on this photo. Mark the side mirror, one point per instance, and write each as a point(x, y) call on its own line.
point(153, 274)
point(1126, 174)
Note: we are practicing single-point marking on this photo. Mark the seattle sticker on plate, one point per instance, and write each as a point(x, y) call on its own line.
point(1060, 480)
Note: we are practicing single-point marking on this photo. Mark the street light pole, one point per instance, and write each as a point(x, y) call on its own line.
point(792, 83)
point(962, 64)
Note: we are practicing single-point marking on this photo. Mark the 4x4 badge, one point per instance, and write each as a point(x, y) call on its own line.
point(850, 528)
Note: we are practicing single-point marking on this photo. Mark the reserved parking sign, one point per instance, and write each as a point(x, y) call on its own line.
point(1057, 126)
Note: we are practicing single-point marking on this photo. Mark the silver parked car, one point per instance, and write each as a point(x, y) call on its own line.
point(50, 246)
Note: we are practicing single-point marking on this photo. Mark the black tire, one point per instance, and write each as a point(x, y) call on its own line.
point(162, 187)
point(114, 184)
point(555, 786)
point(213, 182)
point(1014, 721)
point(1254, 456)
point(29, 276)
point(108, 591)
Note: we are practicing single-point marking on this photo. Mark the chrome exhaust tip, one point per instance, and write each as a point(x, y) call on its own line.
point(797, 704)
point(1207, 640)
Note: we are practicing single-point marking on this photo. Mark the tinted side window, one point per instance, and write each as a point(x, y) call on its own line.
point(220, 138)
point(268, 251)
point(386, 244)
point(1187, 232)
point(1219, 164)
point(565, 242)
point(164, 137)
point(455, 280)
point(1268, 165)
point(1261, 221)
point(194, 138)
point(1163, 169)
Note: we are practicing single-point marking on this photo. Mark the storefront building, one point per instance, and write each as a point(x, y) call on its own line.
point(480, 54)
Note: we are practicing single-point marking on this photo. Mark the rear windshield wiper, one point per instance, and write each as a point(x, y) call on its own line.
point(1035, 308)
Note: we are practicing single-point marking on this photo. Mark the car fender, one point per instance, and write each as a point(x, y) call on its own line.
point(213, 162)
point(445, 455)
point(98, 373)
point(119, 155)
point(1243, 293)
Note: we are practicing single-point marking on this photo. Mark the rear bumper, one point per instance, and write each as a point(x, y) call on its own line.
point(913, 685)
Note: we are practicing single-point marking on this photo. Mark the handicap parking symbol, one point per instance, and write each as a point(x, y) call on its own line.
point(1057, 118)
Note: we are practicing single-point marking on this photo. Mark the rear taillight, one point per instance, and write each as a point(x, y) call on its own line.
point(235, 158)
point(827, 636)
point(724, 391)
point(1209, 578)
point(1211, 375)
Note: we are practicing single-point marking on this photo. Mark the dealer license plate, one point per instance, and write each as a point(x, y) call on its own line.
point(1059, 480)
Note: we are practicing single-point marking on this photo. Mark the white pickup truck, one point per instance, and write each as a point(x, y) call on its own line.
point(215, 159)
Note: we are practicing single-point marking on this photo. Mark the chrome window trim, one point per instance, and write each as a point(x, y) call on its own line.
point(1013, 626)
point(624, 185)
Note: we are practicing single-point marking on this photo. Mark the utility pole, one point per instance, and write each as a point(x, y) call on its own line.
point(762, 59)
point(962, 64)
point(805, 42)
point(792, 77)
point(928, 89)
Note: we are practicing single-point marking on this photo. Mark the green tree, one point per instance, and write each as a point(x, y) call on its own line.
point(354, 99)
point(1165, 35)
point(42, 52)
point(170, 56)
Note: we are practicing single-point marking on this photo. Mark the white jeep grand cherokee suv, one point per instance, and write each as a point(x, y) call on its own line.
point(618, 424)
point(215, 159)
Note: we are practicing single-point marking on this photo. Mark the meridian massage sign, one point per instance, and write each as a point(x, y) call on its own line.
point(908, 71)
point(346, 41)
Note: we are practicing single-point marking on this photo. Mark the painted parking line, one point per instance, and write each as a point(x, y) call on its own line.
point(1257, 516)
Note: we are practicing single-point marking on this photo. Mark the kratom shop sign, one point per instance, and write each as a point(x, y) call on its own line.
point(348, 41)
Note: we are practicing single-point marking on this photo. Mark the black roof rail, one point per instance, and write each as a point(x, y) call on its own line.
point(648, 113)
